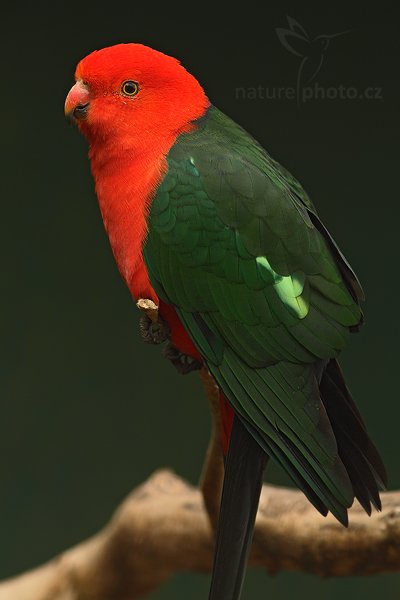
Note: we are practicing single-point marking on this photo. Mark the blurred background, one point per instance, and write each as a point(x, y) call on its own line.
point(88, 410)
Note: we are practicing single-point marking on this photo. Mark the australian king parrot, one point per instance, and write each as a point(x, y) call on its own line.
point(204, 222)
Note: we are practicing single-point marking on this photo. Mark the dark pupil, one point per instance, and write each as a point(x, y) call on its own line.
point(130, 88)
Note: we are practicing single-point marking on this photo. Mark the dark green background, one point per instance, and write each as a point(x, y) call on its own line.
point(88, 411)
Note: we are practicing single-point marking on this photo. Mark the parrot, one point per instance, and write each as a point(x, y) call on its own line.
point(226, 242)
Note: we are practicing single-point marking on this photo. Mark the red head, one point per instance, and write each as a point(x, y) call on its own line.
point(131, 102)
point(134, 95)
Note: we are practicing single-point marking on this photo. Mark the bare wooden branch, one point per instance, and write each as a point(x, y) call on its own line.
point(212, 476)
point(166, 526)
point(149, 308)
point(162, 528)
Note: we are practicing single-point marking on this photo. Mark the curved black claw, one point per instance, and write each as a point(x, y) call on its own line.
point(183, 363)
point(153, 332)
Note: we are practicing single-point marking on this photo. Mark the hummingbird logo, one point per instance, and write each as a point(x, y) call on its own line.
point(311, 50)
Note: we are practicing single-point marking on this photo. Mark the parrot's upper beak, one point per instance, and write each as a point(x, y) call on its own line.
point(77, 102)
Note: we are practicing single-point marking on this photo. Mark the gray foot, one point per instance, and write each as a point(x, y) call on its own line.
point(183, 363)
point(153, 332)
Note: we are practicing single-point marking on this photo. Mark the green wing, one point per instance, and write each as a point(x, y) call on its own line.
point(236, 246)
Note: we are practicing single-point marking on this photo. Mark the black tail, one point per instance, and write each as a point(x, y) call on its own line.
point(356, 450)
point(244, 469)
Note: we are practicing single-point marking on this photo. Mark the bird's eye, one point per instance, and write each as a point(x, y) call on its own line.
point(130, 88)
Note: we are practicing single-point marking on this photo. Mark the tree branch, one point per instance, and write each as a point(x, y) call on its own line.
point(212, 475)
point(162, 528)
point(166, 526)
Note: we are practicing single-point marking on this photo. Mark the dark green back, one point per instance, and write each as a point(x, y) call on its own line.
point(236, 246)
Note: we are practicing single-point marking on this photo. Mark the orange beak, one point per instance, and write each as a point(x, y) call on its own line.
point(77, 102)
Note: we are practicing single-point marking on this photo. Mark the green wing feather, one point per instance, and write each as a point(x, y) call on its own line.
point(236, 245)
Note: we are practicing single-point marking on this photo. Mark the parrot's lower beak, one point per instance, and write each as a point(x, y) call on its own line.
point(77, 102)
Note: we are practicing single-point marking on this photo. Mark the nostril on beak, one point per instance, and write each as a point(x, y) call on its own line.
point(80, 111)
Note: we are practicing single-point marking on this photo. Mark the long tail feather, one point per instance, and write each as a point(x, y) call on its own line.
point(244, 467)
point(356, 449)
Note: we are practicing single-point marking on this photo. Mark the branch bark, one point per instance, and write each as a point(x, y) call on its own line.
point(163, 528)
point(166, 526)
point(212, 475)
